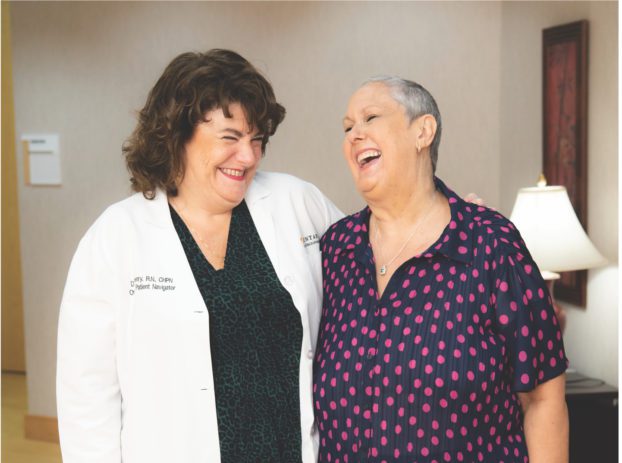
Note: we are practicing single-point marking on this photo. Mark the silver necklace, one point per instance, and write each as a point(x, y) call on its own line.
point(203, 245)
point(383, 268)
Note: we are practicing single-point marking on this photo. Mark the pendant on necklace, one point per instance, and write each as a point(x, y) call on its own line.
point(383, 270)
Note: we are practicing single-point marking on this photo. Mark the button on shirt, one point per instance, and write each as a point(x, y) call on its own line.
point(429, 371)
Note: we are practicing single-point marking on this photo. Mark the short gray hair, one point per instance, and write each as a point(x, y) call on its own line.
point(417, 101)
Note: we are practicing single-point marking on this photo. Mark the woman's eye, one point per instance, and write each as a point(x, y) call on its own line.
point(370, 118)
point(347, 129)
point(229, 138)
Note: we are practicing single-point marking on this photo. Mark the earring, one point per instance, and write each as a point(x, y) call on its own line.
point(418, 148)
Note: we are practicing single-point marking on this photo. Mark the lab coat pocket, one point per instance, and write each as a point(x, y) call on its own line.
point(167, 333)
point(169, 319)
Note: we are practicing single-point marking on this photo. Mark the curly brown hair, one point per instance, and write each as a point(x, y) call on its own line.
point(192, 85)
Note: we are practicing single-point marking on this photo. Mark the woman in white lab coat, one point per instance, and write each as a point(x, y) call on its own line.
point(190, 314)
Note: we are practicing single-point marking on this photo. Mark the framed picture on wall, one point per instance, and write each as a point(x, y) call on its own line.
point(564, 98)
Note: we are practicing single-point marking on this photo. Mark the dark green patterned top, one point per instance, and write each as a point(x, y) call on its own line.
point(255, 341)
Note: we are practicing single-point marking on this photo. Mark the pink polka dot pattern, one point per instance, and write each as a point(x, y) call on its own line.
point(429, 372)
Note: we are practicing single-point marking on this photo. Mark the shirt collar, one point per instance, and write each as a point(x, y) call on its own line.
point(456, 241)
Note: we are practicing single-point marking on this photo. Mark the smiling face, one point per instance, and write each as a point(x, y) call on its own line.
point(380, 144)
point(221, 158)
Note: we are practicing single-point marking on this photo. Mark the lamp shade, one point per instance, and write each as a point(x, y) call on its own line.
point(551, 230)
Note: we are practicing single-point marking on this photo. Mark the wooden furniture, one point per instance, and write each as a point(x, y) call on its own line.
point(593, 413)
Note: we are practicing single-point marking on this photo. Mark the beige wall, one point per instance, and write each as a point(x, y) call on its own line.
point(82, 68)
point(591, 337)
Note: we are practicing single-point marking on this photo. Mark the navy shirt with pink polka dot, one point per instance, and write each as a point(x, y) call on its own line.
point(429, 371)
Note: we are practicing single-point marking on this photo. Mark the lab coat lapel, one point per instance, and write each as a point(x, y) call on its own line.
point(257, 200)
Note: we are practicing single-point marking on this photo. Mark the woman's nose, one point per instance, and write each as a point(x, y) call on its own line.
point(248, 152)
point(356, 132)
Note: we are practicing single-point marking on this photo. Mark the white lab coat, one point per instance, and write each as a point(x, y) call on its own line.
point(134, 378)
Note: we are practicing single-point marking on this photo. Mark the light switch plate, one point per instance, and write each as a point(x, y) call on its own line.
point(41, 159)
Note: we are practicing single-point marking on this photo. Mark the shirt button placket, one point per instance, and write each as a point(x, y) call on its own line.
point(370, 380)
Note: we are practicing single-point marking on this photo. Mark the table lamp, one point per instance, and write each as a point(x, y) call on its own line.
point(553, 234)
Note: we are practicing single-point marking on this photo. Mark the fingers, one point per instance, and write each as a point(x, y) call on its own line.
point(474, 199)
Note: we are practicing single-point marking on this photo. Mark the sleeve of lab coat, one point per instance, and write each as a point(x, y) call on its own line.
point(87, 386)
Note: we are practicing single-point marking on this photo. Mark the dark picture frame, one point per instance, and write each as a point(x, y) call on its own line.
point(564, 123)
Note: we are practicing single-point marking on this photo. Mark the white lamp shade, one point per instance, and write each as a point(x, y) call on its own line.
point(551, 230)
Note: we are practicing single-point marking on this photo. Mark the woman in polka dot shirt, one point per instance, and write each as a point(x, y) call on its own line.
point(438, 340)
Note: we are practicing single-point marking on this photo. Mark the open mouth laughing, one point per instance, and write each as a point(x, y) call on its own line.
point(368, 156)
point(234, 174)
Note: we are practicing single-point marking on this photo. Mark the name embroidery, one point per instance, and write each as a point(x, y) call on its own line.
point(149, 282)
point(310, 240)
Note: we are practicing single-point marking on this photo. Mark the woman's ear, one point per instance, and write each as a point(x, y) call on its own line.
point(426, 129)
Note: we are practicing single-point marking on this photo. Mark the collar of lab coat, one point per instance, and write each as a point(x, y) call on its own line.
point(157, 208)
